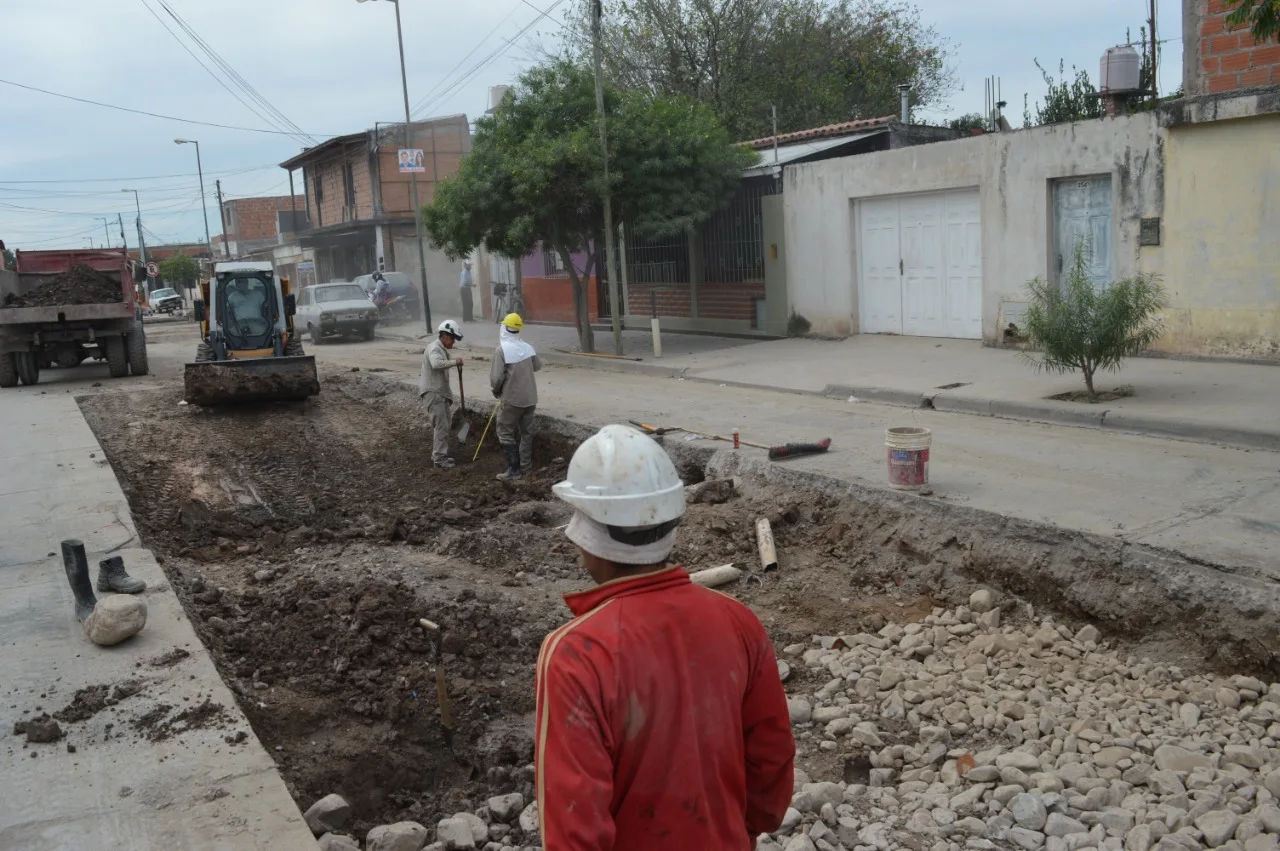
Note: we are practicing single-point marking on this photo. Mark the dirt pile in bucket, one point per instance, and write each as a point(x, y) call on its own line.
point(79, 285)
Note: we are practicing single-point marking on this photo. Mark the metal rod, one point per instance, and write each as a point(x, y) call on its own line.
point(204, 206)
point(615, 300)
point(413, 175)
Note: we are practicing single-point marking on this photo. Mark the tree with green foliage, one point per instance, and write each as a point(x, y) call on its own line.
point(1077, 325)
point(10, 259)
point(534, 173)
point(818, 61)
point(180, 271)
point(1067, 99)
point(967, 122)
point(1262, 17)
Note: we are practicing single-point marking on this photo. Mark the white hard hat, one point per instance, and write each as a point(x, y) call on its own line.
point(451, 328)
point(621, 477)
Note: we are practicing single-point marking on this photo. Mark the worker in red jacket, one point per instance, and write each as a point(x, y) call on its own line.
point(662, 722)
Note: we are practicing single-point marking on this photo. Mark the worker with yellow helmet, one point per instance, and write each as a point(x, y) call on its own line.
point(513, 383)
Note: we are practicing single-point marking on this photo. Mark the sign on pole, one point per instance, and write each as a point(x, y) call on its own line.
point(411, 160)
point(152, 270)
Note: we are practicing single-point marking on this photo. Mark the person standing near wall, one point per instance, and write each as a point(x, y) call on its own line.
point(465, 285)
point(511, 379)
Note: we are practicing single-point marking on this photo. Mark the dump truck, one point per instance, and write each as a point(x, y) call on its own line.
point(249, 350)
point(60, 308)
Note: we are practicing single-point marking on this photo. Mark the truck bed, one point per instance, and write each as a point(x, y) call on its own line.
point(34, 267)
point(65, 313)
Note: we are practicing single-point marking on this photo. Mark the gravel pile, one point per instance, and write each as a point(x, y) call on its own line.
point(973, 735)
point(79, 285)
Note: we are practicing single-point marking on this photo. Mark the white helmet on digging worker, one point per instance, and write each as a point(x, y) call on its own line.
point(451, 328)
point(627, 497)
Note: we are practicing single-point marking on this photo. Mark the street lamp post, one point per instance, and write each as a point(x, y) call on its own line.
point(413, 175)
point(104, 230)
point(204, 207)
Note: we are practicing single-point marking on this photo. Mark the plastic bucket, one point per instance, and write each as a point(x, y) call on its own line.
point(907, 451)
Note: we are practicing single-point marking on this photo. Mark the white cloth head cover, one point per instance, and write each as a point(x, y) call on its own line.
point(594, 537)
point(514, 349)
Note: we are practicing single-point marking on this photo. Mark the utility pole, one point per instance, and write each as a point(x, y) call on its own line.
point(222, 214)
point(615, 300)
point(123, 241)
point(1155, 45)
point(106, 244)
point(413, 175)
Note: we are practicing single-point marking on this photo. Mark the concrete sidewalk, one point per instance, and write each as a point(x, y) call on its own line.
point(1215, 402)
point(191, 790)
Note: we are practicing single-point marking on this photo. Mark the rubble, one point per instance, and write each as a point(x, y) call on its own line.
point(1027, 736)
point(328, 814)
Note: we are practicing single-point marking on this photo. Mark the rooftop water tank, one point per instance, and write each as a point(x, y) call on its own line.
point(1119, 70)
point(496, 93)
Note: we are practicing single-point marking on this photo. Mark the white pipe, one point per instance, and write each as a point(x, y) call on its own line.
point(764, 540)
point(714, 576)
point(657, 337)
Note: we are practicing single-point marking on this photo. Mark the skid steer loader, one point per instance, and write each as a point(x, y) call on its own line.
point(248, 349)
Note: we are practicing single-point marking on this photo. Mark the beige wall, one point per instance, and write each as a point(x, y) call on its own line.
point(1220, 252)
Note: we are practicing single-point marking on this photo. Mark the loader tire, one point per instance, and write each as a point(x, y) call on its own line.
point(204, 353)
point(28, 368)
point(117, 356)
point(294, 348)
point(137, 347)
point(8, 370)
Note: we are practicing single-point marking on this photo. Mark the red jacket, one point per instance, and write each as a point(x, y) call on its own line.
point(662, 722)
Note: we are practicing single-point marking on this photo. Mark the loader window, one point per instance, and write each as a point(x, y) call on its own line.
point(248, 311)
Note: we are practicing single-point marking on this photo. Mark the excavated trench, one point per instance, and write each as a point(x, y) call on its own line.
point(307, 539)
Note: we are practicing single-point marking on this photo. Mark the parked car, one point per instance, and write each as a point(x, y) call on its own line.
point(338, 308)
point(164, 300)
point(401, 285)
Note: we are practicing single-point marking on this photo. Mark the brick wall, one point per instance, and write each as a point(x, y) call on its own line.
point(253, 219)
point(672, 299)
point(729, 301)
point(1220, 59)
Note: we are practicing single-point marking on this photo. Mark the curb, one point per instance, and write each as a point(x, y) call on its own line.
point(1092, 416)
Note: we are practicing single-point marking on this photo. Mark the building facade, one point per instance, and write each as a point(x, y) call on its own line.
point(251, 224)
point(358, 201)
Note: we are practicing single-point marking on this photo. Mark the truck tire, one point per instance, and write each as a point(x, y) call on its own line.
point(8, 370)
point(137, 349)
point(117, 356)
point(28, 368)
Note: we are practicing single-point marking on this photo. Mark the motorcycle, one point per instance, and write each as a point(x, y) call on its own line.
point(393, 309)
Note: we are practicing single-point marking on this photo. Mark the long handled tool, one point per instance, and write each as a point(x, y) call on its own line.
point(795, 450)
point(650, 429)
point(446, 716)
point(485, 433)
point(464, 430)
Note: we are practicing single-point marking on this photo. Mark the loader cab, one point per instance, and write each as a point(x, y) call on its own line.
point(247, 311)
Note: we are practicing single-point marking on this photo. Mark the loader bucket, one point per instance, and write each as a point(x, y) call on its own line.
point(269, 379)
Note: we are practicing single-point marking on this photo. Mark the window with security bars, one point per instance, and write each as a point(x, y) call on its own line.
point(733, 238)
point(552, 262)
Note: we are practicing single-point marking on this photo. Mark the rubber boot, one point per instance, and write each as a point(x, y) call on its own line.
point(77, 567)
point(113, 577)
point(513, 463)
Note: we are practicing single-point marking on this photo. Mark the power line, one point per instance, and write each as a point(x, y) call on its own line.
point(147, 177)
point(273, 116)
point(444, 78)
point(482, 64)
point(155, 114)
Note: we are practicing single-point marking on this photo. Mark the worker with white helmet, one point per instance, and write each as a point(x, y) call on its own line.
point(511, 379)
point(661, 718)
point(433, 388)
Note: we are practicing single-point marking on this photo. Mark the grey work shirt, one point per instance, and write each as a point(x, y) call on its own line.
point(436, 363)
point(514, 383)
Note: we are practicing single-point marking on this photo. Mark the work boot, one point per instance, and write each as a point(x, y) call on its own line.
point(445, 464)
point(513, 463)
point(77, 566)
point(113, 577)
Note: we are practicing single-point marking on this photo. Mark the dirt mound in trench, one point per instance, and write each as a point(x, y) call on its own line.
point(79, 285)
point(338, 681)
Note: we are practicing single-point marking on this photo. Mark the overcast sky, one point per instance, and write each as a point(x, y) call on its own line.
point(330, 66)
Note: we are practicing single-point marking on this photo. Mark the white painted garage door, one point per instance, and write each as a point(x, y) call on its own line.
point(921, 268)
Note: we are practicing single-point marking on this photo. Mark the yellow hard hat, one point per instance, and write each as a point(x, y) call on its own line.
point(513, 322)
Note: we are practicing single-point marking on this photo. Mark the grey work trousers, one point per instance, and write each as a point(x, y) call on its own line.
point(516, 425)
point(438, 416)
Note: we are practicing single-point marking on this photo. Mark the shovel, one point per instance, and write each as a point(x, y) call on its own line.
point(442, 694)
point(464, 430)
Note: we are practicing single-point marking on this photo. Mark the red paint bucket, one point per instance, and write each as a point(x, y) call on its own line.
point(907, 454)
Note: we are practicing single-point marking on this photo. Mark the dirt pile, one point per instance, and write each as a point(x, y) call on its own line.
point(80, 285)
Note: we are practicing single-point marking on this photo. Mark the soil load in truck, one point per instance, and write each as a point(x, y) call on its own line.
point(80, 285)
point(64, 307)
